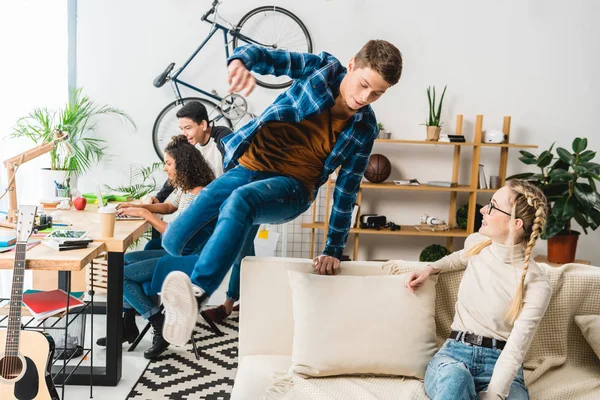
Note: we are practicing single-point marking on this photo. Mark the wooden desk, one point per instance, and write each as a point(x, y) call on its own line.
point(46, 259)
point(43, 258)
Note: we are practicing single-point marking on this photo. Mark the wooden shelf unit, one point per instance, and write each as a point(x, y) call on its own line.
point(471, 188)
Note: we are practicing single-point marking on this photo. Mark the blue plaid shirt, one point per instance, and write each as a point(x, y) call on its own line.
point(316, 84)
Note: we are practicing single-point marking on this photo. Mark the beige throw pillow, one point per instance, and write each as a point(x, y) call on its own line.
point(361, 325)
point(590, 327)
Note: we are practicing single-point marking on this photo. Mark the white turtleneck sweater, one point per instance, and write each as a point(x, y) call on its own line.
point(485, 294)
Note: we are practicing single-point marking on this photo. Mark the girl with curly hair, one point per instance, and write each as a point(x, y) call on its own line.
point(502, 297)
point(188, 172)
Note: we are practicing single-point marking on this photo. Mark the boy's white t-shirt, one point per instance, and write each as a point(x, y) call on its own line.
point(211, 154)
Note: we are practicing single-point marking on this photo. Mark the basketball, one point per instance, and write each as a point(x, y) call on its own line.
point(379, 168)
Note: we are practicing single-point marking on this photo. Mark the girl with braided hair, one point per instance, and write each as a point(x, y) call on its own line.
point(502, 297)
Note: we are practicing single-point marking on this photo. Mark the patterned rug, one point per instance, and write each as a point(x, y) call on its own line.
point(177, 375)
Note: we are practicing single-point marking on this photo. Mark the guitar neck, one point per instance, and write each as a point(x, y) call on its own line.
point(16, 297)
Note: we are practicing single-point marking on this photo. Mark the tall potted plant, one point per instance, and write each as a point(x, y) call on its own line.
point(433, 123)
point(80, 151)
point(569, 185)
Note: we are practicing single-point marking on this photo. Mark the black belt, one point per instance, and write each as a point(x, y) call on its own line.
point(477, 340)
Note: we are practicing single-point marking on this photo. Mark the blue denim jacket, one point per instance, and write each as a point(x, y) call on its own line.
point(316, 84)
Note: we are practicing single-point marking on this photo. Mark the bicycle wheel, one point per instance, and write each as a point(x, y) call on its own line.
point(274, 27)
point(166, 126)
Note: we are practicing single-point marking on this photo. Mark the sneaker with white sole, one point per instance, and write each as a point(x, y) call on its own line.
point(181, 300)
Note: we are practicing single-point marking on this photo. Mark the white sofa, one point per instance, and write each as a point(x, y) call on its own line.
point(559, 365)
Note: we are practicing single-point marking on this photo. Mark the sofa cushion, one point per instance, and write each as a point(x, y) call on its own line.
point(338, 330)
point(254, 375)
point(590, 327)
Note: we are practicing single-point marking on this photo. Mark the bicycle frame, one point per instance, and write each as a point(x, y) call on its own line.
point(234, 32)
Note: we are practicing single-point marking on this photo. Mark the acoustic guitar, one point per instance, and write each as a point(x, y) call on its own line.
point(25, 356)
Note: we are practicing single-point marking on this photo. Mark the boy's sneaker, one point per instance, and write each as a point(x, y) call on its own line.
point(182, 301)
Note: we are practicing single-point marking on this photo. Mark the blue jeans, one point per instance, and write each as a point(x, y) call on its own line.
point(139, 268)
point(460, 371)
point(233, 292)
point(154, 244)
point(221, 218)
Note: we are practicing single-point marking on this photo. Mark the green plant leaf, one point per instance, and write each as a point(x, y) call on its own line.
point(527, 154)
point(564, 209)
point(545, 159)
point(579, 145)
point(585, 195)
point(565, 155)
point(594, 216)
point(560, 164)
point(553, 226)
point(586, 156)
point(528, 161)
point(560, 175)
point(439, 111)
point(592, 168)
point(430, 120)
point(582, 221)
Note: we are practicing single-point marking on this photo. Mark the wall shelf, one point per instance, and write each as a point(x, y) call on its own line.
point(471, 188)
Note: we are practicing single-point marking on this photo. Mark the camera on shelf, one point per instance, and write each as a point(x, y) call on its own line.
point(372, 221)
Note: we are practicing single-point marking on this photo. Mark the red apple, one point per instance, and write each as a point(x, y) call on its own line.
point(80, 203)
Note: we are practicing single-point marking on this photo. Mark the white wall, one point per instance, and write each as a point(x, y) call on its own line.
point(33, 67)
point(533, 60)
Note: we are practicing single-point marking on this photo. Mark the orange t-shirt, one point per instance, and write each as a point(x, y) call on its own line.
point(298, 150)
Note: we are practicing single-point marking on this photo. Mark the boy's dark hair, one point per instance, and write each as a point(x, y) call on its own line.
point(193, 110)
point(382, 57)
point(191, 169)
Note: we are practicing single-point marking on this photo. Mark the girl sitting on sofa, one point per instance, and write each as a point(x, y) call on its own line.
point(501, 300)
point(188, 172)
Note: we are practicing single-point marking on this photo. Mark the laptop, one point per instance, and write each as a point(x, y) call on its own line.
point(102, 203)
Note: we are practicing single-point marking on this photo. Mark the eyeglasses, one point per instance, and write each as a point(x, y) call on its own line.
point(491, 207)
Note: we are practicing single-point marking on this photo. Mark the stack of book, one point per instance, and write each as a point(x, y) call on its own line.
point(67, 244)
point(44, 304)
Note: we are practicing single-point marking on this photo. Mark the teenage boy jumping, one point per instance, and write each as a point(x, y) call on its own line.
point(322, 122)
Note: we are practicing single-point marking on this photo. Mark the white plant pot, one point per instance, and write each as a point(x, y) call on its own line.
point(47, 185)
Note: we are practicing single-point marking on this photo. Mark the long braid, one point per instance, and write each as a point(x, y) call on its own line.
point(535, 200)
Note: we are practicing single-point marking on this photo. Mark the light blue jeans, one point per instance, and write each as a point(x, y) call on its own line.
point(460, 371)
point(221, 218)
point(139, 268)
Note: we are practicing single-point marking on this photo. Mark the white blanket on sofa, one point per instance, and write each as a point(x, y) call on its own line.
point(559, 365)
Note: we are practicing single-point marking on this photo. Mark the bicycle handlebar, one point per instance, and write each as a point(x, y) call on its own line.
point(207, 14)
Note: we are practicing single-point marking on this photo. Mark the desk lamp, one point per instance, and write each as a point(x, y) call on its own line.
point(12, 165)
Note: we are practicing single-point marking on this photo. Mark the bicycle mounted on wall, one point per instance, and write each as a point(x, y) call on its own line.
point(269, 26)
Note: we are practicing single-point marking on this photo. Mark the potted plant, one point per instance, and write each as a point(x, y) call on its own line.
point(433, 121)
point(141, 182)
point(80, 151)
point(383, 133)
point(569, 185)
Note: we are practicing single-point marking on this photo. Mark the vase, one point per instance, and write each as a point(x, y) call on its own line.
point(433, 133)
point(562, 248)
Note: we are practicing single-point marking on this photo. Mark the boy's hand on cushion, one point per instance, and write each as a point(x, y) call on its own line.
point(416, 279)
point(326, 265)
point(240, 78)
